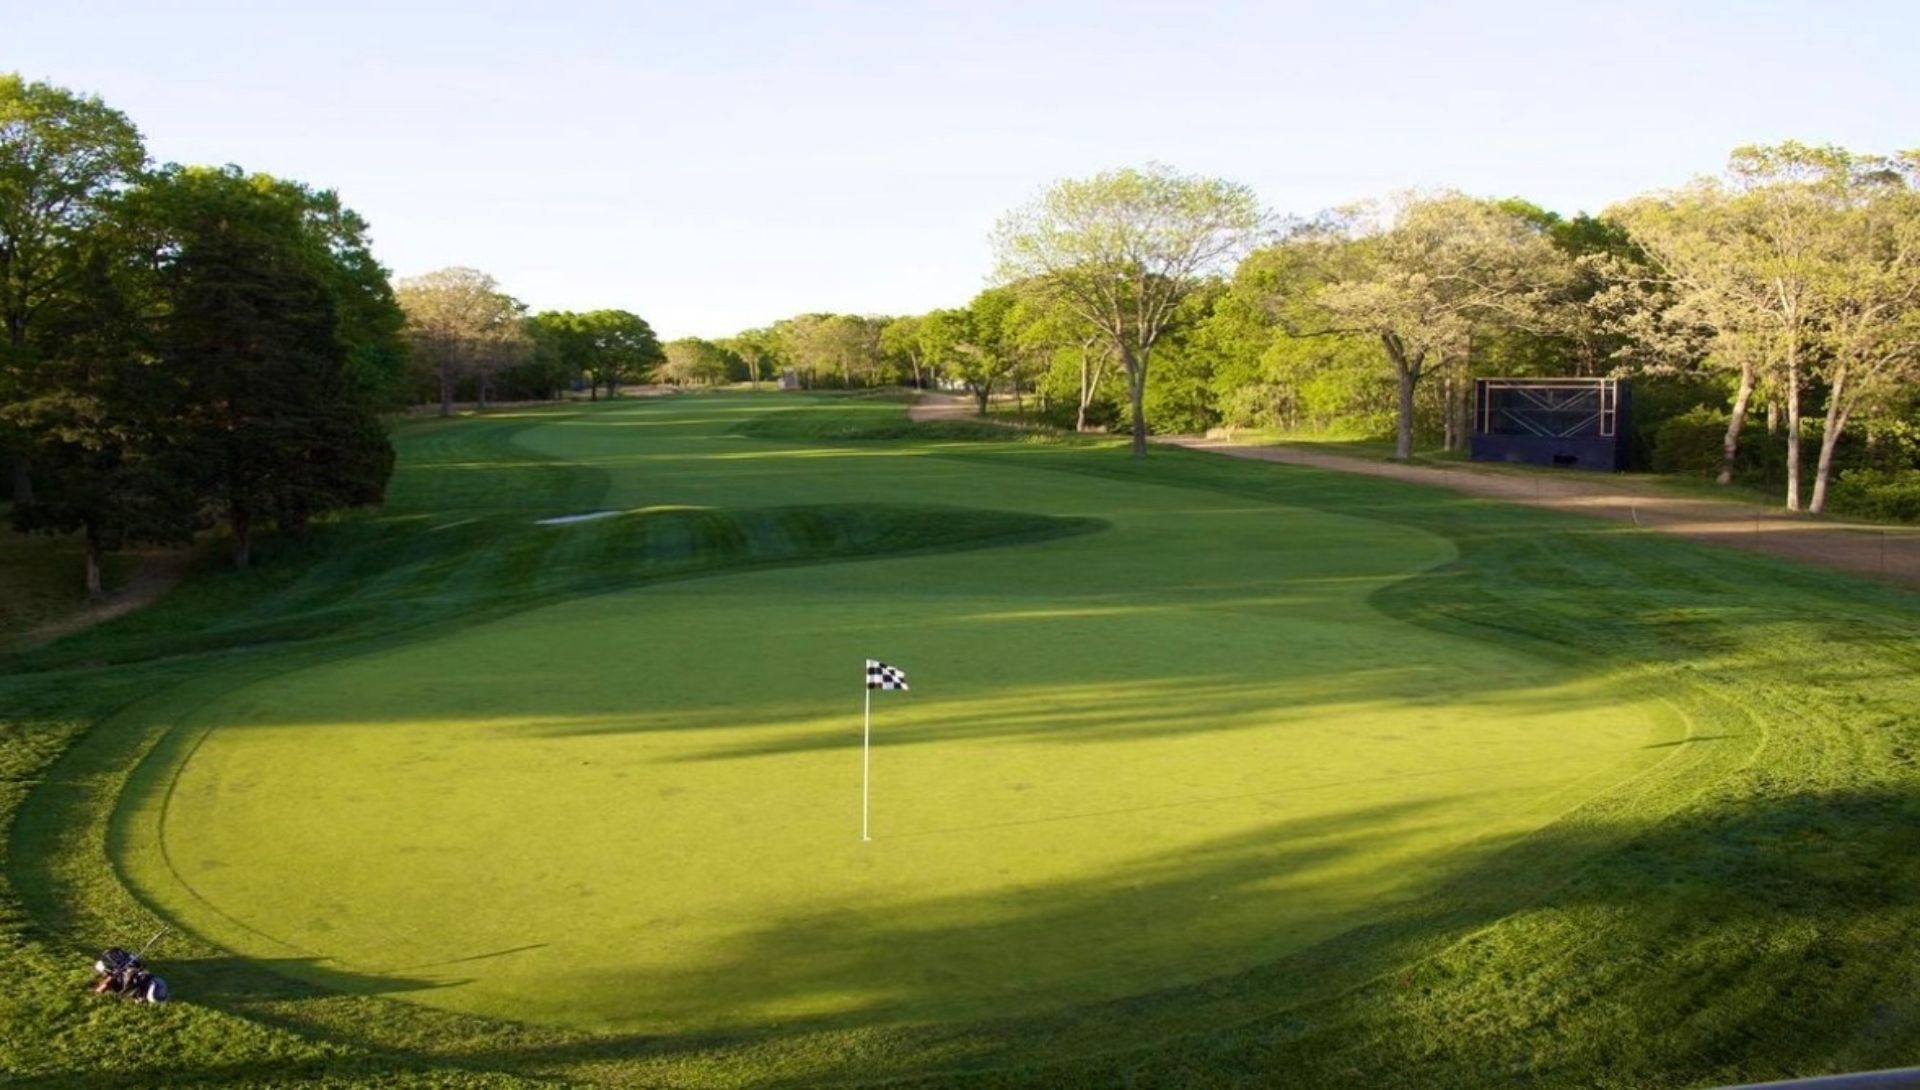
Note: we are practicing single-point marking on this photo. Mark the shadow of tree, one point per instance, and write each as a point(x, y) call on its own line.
point(1731, 941)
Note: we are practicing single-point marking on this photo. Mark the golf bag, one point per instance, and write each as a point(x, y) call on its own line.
point(117, 972)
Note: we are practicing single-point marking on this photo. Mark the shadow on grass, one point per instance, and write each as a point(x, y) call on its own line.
point(1754, 940)
point(228, 979)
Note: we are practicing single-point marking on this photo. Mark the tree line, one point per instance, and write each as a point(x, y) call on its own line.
point(183, 344)
point(187, 346)
point(191, 345)
point(1789, 285)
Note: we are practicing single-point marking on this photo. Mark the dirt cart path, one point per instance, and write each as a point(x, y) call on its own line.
point(157, 572)
point(1892, 554)
point(1889, 553)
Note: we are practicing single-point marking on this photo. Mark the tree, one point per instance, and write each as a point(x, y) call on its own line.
point(60, 155)
point(563, 349)
point(984, 349)
point(852, 342)
point(798, 339)
point(1263, 377)
point(104, 417)
point(693, 361)
point(1770, 260)
point(1122, 249)
point(1870, 298)
point(1695, 302)
point(757, 349)
point(621, 347)
point(925, 342)
point(257, 333)
point(1422, 274)
point(900, 342)
point(459, 322)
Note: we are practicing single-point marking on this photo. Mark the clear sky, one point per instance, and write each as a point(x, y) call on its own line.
point(717, 165)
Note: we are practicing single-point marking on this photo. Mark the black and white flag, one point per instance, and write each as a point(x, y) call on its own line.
point(882, 676)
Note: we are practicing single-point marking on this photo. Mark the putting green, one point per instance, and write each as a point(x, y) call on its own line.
point(1167, 751)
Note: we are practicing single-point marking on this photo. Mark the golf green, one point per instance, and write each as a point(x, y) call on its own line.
point(1180, 746)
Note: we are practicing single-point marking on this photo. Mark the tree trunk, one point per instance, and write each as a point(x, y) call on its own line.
point(22, 481)
point(1793, 427)
point(1090, 375)
point(482, 380)
point(981, 392)
point(1458, 413)
point(1836, 422)
point(1730, 447)
point(1136, 398)
point(1773, 416)
point(1407, 370)
point(446, 388)
point(1403, 427)
point(95, 591)
point(240, 521)
point(22, 465)
point(1086, 383)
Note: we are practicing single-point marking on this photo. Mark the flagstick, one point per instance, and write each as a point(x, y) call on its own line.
point(866, 763)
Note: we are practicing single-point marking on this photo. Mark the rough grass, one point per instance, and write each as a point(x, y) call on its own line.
point(1745, 908)
point(42, 580)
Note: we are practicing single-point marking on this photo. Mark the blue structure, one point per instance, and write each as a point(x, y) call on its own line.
point(1578, 423)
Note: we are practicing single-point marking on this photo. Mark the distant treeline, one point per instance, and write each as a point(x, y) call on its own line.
point(185, 345)
point(1788, 288)
point(192, 345)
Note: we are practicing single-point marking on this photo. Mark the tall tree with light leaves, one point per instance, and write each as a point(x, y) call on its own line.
point(757, 349)
point(1869, 343)
point(461, 324)
point(61, 154)
point(694, 361)
point(1422, 273)
point(1796, 261)
point(1122, 249)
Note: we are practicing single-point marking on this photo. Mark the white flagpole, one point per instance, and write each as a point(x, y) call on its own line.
point(866, 763)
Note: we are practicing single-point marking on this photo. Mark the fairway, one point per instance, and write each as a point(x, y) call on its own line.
point(1185, 744)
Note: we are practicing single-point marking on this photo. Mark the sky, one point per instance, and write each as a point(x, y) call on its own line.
point(717, 165)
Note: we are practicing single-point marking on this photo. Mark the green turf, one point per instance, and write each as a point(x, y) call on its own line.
point(43, 580)
point(1214, 773)
point(659, 787)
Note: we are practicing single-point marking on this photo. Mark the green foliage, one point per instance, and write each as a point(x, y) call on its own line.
point(1891, 495)
point(62, 157)
point(598, 350)
point(833, 351)
point(262, 341)
point(1691, 443)
point(691, 361)
point(1123, 251)
point(1656, 399)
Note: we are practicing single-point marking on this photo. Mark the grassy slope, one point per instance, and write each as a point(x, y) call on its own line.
point(1747, 913)
point(42, 580)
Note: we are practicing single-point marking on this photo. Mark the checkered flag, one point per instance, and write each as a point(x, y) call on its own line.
point(882, 676)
